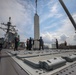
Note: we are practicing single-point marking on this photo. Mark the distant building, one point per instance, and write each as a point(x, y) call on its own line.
point(65, 46)
point(71, 46)
point(22, 45)
point(53, 46)
point(62, 46)
point(46, 47)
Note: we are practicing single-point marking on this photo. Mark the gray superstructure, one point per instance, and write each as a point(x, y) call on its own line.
point(10, 34)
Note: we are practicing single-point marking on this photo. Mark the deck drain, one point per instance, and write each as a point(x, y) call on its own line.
point(61, 72)
point(36, 71)
point(40, 69)
point(64, 70)
point(40, 73)
point(66, 74)
point(57, 74)
point(70, 73)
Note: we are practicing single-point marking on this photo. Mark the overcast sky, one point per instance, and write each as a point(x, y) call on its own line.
point(54, 22)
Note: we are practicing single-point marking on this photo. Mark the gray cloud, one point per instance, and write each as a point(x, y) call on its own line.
point(20, 14)
point(65, 32)
point(63, 37)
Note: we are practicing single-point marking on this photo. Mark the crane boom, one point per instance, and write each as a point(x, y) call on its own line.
point(68, 13)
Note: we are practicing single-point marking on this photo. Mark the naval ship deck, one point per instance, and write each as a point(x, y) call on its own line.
point(44, 62)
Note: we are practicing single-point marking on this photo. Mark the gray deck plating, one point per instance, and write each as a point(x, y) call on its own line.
point(36, 56)
point(70, 70)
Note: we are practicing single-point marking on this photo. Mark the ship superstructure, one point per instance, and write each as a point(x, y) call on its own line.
point(10, 34)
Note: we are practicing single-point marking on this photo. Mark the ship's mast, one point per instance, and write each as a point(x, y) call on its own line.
point(36, 28)
point(8, 25)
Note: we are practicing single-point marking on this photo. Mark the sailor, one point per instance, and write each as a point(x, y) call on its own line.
point(56, 43)
point(27, 43)
point(30, 43)
point(16, 43)
point(41, 43)
point(0, 47)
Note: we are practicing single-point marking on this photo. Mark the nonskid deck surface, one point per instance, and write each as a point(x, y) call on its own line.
point(70, 70)
point(8, 66)
point(29, 61)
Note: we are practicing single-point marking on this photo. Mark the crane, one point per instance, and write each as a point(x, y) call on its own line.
point(68, 13)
